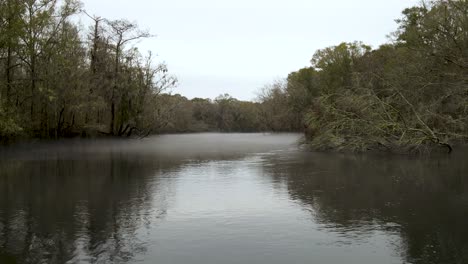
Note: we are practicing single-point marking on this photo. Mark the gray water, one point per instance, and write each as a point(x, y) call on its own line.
point(228, 198)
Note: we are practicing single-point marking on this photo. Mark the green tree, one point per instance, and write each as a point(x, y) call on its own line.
point(336, 64)
point(122, 32)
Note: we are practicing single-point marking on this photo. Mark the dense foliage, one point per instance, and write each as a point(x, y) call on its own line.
point(406, 96)
point(58, 80)
point(177, 114)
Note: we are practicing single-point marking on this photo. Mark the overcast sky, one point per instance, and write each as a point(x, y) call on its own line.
point(238, 46)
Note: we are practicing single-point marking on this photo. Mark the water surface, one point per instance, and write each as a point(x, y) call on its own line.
point(228, 198)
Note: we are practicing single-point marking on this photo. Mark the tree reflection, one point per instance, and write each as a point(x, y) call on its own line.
point(425, 200)
point(74, 208)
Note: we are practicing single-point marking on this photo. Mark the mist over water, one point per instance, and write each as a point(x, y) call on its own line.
point(182, 146)
point(228, 198)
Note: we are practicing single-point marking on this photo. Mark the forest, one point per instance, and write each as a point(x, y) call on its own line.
point(408, 95)
point(59, 80)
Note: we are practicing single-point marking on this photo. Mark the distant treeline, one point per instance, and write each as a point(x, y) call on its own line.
point(177, 114)
point(410, 95)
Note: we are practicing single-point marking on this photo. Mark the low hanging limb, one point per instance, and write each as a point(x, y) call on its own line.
point(450, 149)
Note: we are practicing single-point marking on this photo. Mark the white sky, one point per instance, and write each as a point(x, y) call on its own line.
point(238, 46)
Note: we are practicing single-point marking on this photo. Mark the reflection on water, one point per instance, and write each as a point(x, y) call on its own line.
point(228, 198)
point(423, 200)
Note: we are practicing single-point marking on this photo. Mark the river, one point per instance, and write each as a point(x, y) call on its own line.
point(228, 198)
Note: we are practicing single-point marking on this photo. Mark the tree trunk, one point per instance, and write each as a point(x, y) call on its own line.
point(114, 87)
point(112, 118)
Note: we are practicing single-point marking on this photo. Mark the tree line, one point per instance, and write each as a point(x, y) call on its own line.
point(58, 80)
point(177, 114)
point(409, 95)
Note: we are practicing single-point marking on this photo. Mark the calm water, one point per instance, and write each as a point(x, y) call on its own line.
point(228, 198)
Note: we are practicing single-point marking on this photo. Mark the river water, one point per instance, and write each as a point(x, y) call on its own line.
point(228, 198)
